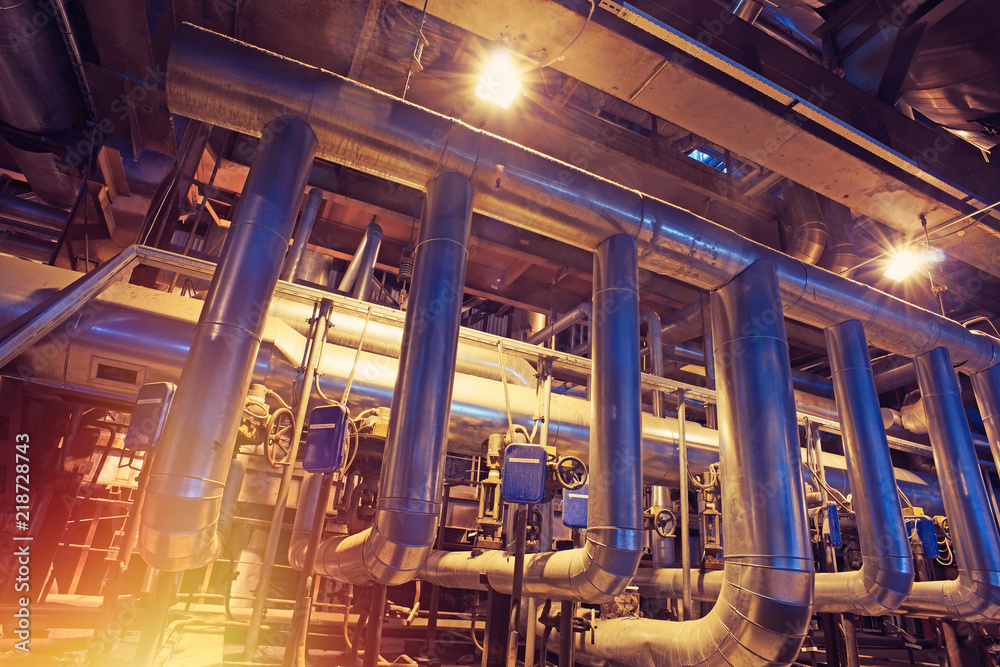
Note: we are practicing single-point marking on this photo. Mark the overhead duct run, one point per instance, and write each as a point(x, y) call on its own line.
point(378, 134)
point(764, 608)
point(178, 525)
point(412, 478)
point(605, 564)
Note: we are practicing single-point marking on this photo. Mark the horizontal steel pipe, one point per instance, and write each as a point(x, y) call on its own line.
point(224, 82)
point(134, 328)
point(581, 312)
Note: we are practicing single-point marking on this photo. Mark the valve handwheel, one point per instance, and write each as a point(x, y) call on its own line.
point(278, 444)
point(664, 523)
point(572, 472)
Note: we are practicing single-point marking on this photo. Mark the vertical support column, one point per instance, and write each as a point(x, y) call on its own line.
point(178, 525)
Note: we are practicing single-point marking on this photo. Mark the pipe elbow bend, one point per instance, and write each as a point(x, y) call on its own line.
point(974, 597)
point(608, 561)
point(881, 586)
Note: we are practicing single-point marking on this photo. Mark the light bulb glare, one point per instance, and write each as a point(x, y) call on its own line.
point(501, 81)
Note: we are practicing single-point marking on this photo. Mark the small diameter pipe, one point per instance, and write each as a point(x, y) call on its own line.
point(685, 509)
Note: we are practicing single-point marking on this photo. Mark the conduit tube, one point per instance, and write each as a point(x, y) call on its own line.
point(604, 565)
point(219, 80)
point(178, 524)
point(412, 480)
point(358, 276)
point(886, 574)
point(975, 595)
point(302, 233)
point(763, 612)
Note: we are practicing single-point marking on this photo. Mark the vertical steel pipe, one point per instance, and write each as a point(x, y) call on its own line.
point(975, 594)
point(765, 606)
point(178, 527)
point(604, 565)
point(412, 480)
point(358, 276)
point(886, 574)
point(302, 233)
point(654, 340)
point(987, 387)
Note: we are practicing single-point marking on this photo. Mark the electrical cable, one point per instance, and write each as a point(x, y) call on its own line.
point(590, 15)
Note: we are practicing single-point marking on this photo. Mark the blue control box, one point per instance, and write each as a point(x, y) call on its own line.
point(326, 438)
point(146, 424)
point(574, 511)
point(833, 525)
point(523, 474)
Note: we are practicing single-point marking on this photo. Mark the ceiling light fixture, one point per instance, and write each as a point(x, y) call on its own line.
point(906, 261)
point(501, 80)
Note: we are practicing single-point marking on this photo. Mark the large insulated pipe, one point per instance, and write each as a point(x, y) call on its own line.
point(886, 574)
point(975, 595)
point(358, 276)
point(412, 480)
point(302, 232)
point(152, 331)
point(32, 217)
point(765, 606)
point(178, 527)
point(40, 93)
point(808, 228)
point(685, 324)
point(603, 566)
point(234, 85)
point(987, 387)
